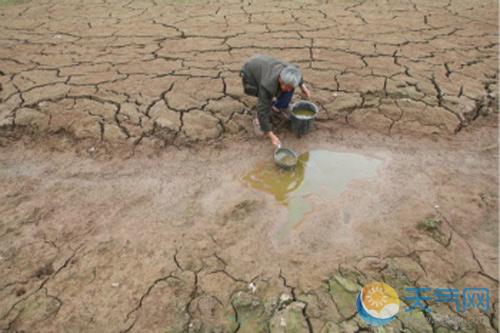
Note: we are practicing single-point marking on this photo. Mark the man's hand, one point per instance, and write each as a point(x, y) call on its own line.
point(305, 91)
point(274, 139)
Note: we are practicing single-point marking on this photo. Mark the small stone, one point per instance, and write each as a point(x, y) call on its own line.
point(115, 284)
point(252, 287)
point(92, 149)
point(285, 300)
point(285, 297)
point(282, 322)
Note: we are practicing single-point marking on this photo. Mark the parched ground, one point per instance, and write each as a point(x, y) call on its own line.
point(124, 135)
point(168, 70)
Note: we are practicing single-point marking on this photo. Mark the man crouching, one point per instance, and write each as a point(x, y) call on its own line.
point(267, 78)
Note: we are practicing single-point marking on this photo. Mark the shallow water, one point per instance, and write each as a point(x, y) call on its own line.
point(304, 113)
point(318, 175)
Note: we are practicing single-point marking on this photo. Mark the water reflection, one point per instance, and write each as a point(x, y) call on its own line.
point(319, 175)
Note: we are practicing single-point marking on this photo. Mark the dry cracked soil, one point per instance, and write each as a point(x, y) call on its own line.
point(124, 137)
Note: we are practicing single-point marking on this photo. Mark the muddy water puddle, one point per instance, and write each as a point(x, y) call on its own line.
point(318, 177)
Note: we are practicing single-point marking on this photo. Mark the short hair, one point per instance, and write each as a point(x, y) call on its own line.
point(291, 75)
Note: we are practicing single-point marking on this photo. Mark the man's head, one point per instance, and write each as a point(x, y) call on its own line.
point(290, 78)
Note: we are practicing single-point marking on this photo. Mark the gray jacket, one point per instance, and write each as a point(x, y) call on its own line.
point(260, 78)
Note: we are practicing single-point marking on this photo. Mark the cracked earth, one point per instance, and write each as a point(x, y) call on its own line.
point(124, 134)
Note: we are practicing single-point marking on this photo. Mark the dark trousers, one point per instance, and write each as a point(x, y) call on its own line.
point(283, 100)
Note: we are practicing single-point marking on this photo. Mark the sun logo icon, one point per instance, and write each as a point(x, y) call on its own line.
point(377, 303)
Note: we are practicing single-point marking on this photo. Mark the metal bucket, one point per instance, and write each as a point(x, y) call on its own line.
point(285, 158)
point(302, 124)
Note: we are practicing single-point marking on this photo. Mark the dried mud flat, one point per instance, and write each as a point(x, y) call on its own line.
point(122, 131)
